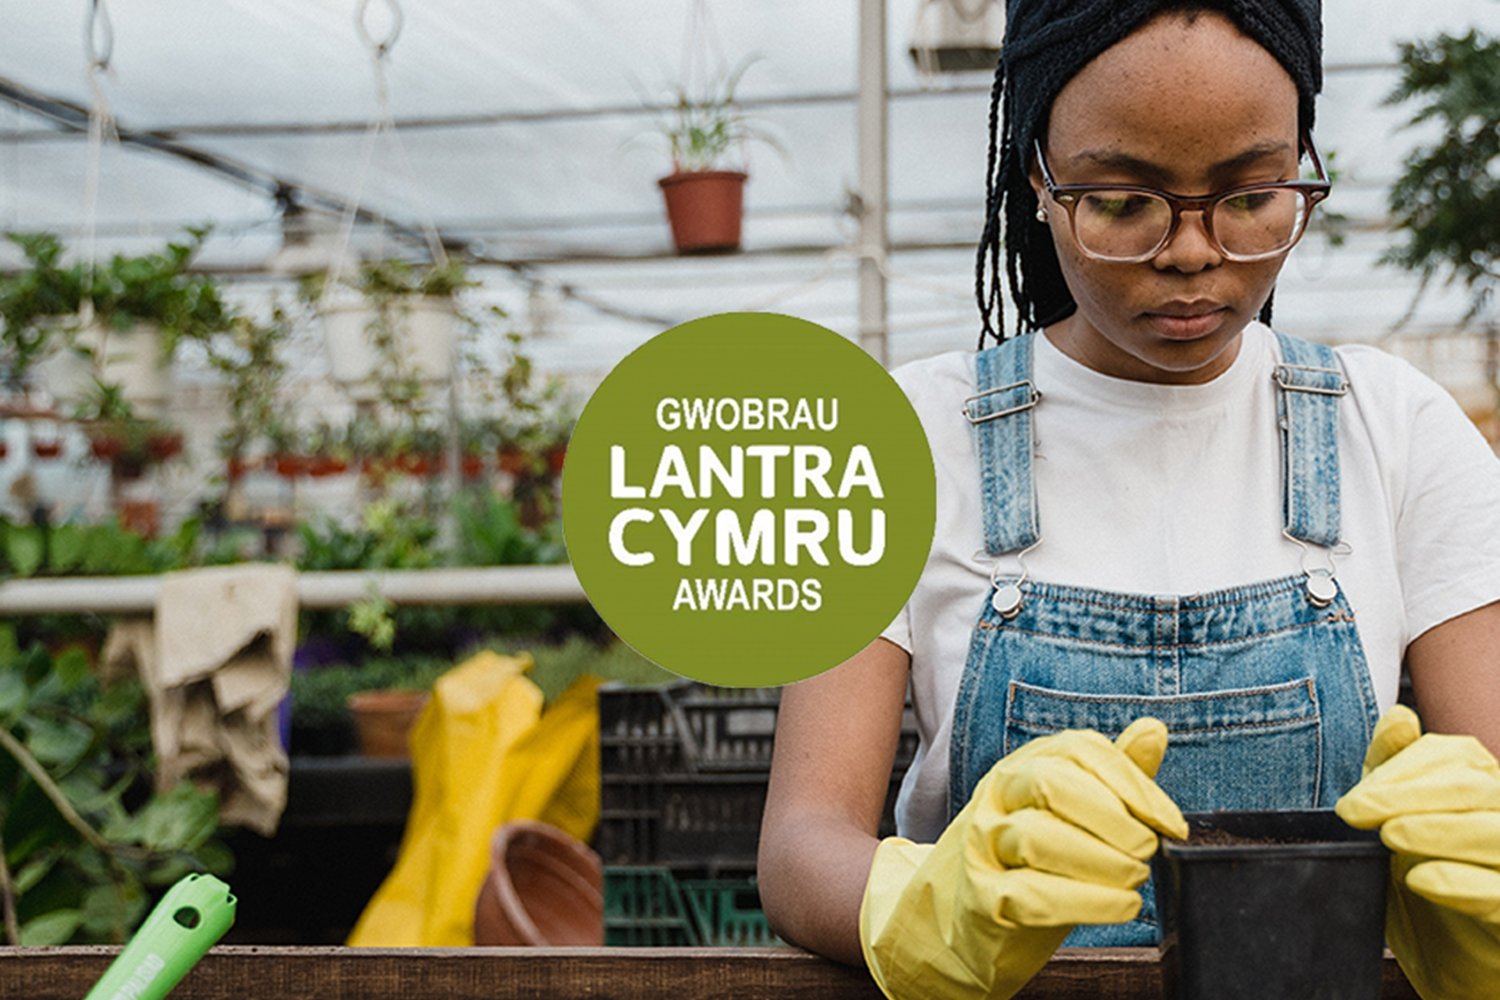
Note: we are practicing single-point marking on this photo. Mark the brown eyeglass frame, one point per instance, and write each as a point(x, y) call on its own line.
point(1067, 195)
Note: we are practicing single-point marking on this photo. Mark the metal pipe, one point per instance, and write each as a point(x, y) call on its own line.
point(315, 590)
point(872, 126)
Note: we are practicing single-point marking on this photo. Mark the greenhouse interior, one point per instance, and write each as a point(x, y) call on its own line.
point(249, 182)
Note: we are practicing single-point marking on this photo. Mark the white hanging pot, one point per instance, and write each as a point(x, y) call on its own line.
point(131, 359)
point(421, 328)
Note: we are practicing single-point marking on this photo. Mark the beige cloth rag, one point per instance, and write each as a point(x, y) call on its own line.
point(215, 662)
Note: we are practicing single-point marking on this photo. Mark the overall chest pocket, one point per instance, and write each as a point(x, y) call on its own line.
point(1249, 748)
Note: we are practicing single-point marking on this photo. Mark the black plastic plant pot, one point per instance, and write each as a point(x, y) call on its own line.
point(1271, 906)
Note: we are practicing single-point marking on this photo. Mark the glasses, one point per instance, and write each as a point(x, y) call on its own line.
point(1126, 224)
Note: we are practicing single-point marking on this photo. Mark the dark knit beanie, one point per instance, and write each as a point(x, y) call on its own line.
point(1047, 42)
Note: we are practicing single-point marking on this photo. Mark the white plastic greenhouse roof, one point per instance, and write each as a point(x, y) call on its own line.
point(524, 126)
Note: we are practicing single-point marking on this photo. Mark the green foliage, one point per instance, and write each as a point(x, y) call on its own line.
point(383, 280)
point(92, 550)
point(489, 534)
point(703, 127)
point(32, 301)
point(558, 666)
point(320, 696)
point(250, 363)
point(154, 287)
point(395, 535)
point(82, 844)
point(1446, 203)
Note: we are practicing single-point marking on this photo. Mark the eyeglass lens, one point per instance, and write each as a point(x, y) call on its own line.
point(1127, 224)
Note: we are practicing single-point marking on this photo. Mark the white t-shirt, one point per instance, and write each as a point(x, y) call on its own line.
point(1176, 489)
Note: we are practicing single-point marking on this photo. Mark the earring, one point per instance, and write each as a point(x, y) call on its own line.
point(1041, 213)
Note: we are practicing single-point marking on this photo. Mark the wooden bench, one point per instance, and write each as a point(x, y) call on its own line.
point(278, 973)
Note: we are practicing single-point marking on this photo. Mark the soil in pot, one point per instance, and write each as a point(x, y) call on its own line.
point(1288, 905)
point(544, 888)
point(383, 720)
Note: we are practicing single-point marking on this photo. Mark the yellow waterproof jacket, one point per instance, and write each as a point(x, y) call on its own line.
point(483, 753)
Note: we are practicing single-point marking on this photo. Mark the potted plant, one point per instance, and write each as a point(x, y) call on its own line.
point(475, 438)
point(116, 323)
point(34, 304)
point(704, 194)
point(131, 445)
point(516, 439)
point(287, 454)
point(46, 439)
point(327, 451)
point(397, 334)
point(251, 370)
point(422, 450)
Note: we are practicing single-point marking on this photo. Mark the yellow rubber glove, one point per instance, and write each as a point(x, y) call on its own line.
point(1436, 800)
point(1056, 834)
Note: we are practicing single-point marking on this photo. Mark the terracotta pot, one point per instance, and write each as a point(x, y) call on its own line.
point(46, 449)
point(472, 467)
point(322, 466)
point(165, 446)
point(4, 449)
point(544, 888)
point(513, 460)
point(140, 516)
point(556, 457)
point(290, 466)
point(705, 208)
point(106, 448)
point(383, 720)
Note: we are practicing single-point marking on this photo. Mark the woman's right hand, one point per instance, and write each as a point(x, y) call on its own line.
point(1056, 834)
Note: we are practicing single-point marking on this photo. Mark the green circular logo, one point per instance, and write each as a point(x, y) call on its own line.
point(748, 499)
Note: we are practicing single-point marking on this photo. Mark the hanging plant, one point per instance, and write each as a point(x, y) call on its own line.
point(704, 193)
point(118, 323)
point(130, 445)
point(252, 371)
point(396, 337)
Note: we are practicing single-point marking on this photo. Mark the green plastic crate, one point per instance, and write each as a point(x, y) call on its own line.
point(728, 913)
point(650, 906)
point(644, 908)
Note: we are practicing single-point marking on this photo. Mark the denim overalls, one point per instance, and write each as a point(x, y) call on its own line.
point(1263, 688)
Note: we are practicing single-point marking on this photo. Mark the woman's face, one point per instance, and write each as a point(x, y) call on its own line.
point(1189, 105)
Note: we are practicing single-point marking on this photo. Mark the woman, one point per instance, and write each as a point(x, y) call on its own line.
point(1168, 538)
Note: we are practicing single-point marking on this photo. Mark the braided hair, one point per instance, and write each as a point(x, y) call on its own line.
point(1046, 43)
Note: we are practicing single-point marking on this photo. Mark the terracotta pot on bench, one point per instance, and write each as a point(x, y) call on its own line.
point(544, 888)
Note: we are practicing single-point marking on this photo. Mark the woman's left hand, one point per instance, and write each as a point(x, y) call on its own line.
point(1436, 800)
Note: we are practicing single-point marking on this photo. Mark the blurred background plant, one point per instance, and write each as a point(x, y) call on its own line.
point(84, 839)
point(1445, 206)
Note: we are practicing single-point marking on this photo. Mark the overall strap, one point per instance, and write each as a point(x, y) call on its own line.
point(1310, 382)
point(1000, 413)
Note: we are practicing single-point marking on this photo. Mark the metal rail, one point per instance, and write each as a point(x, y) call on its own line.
point(315, 590)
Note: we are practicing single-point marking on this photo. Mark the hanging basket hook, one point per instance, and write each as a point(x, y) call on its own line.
point(383, 46)
point(99, 36)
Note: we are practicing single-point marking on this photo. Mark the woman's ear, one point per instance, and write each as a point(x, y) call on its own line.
point(1038, 189)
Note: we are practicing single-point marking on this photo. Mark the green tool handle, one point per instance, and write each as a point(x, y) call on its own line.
point(190, 918)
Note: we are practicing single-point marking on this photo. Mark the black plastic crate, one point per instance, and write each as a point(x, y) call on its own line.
point(684, 772)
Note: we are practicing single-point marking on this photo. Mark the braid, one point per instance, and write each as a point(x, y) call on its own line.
point(989, 299)
point(1046, 43)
